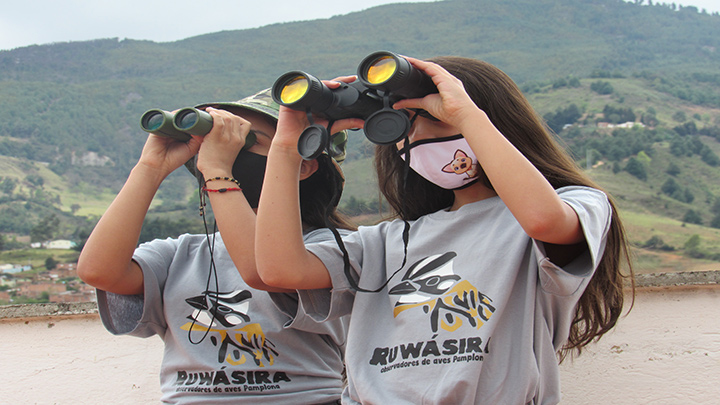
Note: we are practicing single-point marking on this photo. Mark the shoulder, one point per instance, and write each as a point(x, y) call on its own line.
point(168, 247)
point(586, 200)
point(183, 239)
point(581, 193)
point(322, 235)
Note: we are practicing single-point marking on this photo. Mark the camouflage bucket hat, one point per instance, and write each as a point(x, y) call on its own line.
point(263, 103)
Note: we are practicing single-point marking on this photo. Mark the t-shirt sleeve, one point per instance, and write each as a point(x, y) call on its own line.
point(594, 212)
point(332, 303)
point(309, 310)
point(141, 315)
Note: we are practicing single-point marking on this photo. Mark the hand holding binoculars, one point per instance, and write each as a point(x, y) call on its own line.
point(185, 122)
point(383, 79)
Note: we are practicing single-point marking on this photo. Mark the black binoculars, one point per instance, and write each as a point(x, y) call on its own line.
point(182, 124)
point(383, 79)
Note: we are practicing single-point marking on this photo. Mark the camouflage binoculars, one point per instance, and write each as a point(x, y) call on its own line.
point(180, 125)
point(383, 79)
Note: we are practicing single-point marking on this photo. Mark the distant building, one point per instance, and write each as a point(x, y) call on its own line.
point(63, 270)
point(60, 244)
point(36, 290)
point(6, 281)
point(628, 124)
point(73, 296)
point(90, 159)
point(14, 268)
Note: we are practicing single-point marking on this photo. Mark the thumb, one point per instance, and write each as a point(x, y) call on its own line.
point(409, 103)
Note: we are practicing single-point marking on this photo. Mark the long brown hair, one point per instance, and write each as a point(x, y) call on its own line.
point(499, 97)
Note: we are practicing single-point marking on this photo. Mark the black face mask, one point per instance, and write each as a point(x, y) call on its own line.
point(249, 171)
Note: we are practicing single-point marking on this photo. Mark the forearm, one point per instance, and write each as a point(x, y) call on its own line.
point(526, 192)
point(106, 259)
point(281, 256)
point(236, 223)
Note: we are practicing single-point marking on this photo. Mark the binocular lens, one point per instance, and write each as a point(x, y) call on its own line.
point(153, 121)
point(381, 70)
point(294, 90)
point(186, 120)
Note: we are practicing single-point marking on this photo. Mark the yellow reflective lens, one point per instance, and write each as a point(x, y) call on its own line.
point(294, 90)
point(381, 70)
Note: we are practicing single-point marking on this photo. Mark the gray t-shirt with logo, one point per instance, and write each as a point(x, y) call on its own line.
point(475, 316)
point(224, 341)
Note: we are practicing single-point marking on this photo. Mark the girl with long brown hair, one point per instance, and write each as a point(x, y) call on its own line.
point(504, 253)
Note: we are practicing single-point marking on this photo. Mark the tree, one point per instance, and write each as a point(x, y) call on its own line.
point(35, 180)
point(670, 187)
point(656, 243)
point(688, 196)
point(50, 263)
point(692, 247)
point(46, 229)
point(679, 116)
point(637, 169)
point(8, 185)
point(602, 87)
point(715, 223)
point(673, 169)
point(692, 217)
point(561, 117)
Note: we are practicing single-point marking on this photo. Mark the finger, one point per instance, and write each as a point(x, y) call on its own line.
point(431, 69)
point(349, 123)
point(338, 81)
point(409, 103)
point(345, 79)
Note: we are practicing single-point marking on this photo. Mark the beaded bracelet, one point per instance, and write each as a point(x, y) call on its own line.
point(221, 190)
point(223, 178)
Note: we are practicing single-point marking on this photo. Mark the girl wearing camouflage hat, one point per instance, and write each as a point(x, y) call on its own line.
point(225, 341)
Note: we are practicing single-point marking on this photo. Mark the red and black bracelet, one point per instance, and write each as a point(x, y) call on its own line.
point(221, 190)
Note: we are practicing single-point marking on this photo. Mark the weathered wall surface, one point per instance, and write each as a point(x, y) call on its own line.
point(666, 351)
point(74, 360)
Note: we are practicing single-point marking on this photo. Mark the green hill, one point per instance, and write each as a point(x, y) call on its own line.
point(69, 112)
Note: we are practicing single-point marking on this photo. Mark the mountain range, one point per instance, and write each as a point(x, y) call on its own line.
point(69, 112)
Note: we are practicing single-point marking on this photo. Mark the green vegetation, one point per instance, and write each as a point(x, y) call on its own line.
point(38, 258)
point(69, 112)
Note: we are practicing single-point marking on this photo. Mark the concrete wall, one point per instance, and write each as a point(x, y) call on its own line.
point(72, 359)
point(666, 351)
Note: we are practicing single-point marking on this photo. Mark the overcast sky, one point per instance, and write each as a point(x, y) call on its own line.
point(29, 22)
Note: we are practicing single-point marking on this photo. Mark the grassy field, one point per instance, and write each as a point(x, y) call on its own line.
point(36, 257)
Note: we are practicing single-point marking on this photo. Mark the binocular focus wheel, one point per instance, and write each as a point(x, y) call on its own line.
point(312, 142)
point(386, 126)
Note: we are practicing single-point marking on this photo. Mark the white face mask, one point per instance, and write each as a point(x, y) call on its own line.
point(447, 162)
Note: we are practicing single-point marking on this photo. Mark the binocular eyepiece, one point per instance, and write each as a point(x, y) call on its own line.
point(383, 79)
point(182, 124)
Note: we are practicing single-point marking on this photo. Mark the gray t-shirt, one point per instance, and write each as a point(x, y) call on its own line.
point(475, 316)
point(245, 354)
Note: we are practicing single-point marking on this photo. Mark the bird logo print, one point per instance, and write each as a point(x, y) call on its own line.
point(451, 302)
point(224, 316)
